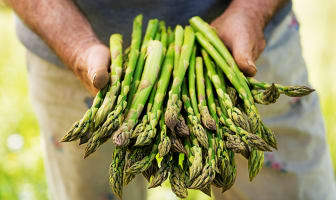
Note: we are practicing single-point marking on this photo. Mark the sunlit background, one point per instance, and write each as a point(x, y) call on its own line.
point(21, 165)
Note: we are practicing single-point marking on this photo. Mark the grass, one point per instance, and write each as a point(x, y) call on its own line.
point(21, 170)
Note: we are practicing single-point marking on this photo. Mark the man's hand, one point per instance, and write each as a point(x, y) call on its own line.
point(90, 66)
point(62, 26)
point(241, 29)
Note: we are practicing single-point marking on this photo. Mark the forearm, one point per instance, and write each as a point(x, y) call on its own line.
point(60, 24)
point(260, 10)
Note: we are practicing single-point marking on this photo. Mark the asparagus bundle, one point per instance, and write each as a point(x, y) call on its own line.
point(191, 134)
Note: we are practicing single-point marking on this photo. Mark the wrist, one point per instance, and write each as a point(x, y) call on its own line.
point(257, 17)
point(259, 11)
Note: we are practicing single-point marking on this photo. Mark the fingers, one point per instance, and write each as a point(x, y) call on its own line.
point(245, 52)
point(98, 62)
point(243, 55)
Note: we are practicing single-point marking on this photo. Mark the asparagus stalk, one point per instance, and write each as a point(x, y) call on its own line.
point(115, 118)
point(255, 163)
point(157, 36)
point(100, 133)
point(196, 128)
point(171, 114)
point(178, 45)
point(194, 150)
point(268, 135)
point(151, 70)
point(194, 160)
point(207, 120)
point(165, 143)
point(192, 83)
point(266, 97)
point(206, 177)
point(244, 92)
point(250, 139)
point(152, 28)
point(171, 35)
point(291, 91)
point(146, 162)
point(162, 174)
point(164, 37)
point(154, 115)
point(233, 95)
point(153, 168)
point(205, 29)
point(232, 173)
point(232, 112)
point(221, 154)
point(116, 71)
point(135, 155)
point(208, 172)
point(177, 183)
point(81, 127)
point(141, 126)
point(176, 145)
point(116, 171)
point(181, 127)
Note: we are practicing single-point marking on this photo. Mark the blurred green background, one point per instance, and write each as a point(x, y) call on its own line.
point(21, 169)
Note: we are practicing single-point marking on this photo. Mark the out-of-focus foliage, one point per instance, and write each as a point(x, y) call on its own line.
point(21, 169)
point(21, 166)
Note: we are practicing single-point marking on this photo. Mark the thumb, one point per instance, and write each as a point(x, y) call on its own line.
point(243, 54)
point(98, 62)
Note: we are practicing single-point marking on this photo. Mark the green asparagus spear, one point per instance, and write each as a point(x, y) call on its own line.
point(201, 26)
point(146, 162)
point(81, 127)
point(152, 28)
point(194, 159)
point(207, 120)
point(116, 71)
point(243, 91)
point(232, 112)
point(192, 83)
point(152, 169)
point(151, 70)
point(178, 45)
point(255, 163)
point(154, 115)
point(177, 182)
point(162, 174)
point(135, 155)
point(165, 143)
point(115, 118)
point(141, 126)
point(171, 114)
point(116, 171)
point(248, 138)
point(292, 91)
point(268, 96)
point(176, 145)
point(196, 128)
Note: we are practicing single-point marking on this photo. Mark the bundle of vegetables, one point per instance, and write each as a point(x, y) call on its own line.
point(177, 107)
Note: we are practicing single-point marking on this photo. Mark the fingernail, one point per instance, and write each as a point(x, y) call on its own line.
point(99, 79)
point(252, 65)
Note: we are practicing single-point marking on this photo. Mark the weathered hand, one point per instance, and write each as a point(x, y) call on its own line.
point(242, 31)
point(91, 66)
point(67, 31)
